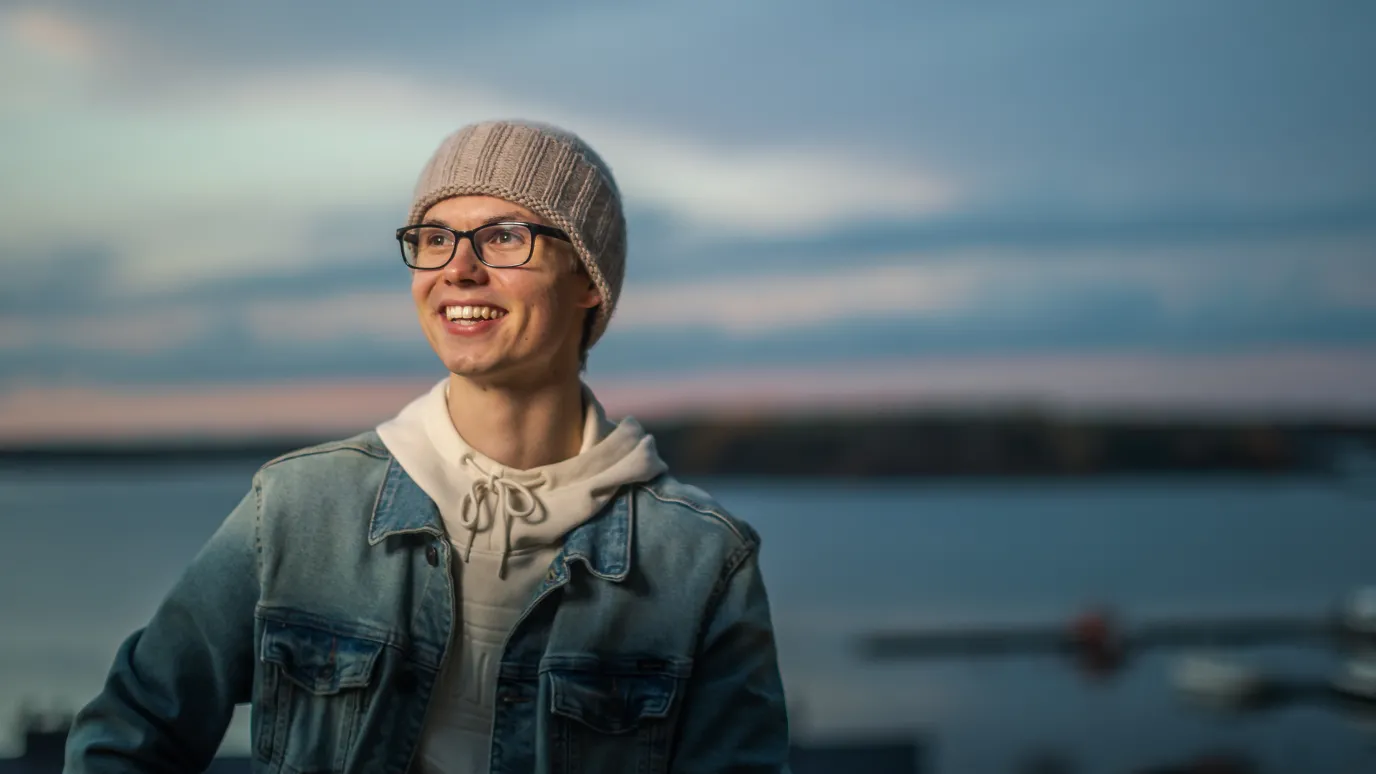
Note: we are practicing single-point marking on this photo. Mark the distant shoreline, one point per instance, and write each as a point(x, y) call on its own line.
point(850, 446)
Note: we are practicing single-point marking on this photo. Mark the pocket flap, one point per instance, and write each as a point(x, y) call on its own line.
point(613, 698)
point(319, 661)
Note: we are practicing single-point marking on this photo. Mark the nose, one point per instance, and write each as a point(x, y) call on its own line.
point(465, 268)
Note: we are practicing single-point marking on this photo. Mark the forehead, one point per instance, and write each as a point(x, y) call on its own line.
point(469, 211)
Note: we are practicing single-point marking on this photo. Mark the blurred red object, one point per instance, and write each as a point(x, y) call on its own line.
point(1097, 644)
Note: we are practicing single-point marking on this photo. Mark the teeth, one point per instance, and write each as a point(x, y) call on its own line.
point(472, 313)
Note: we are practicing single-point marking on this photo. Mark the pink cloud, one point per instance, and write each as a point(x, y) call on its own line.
point(1321, 383)
point(296, 408)
point(56, 35)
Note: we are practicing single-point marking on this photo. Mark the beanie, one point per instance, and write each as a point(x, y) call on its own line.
point(549, 171)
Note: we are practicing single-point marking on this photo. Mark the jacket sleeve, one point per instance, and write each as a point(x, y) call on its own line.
point(735, 720)
point(171, 692)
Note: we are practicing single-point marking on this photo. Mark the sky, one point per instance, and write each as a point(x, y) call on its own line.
point(1092, 205)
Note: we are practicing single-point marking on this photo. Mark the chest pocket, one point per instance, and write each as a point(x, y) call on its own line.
point(612, 715)
point(313, 682)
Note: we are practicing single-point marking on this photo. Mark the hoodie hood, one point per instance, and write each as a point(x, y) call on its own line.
point(490, 508)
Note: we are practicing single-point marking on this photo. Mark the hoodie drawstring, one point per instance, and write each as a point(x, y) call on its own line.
point(495, 494)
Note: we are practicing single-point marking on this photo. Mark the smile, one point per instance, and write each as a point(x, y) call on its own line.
point(472, 314)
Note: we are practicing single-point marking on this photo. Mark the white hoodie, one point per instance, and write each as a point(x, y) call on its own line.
point(506, 526)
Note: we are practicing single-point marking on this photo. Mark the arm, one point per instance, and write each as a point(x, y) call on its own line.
point(734, 718)
point(171, 692)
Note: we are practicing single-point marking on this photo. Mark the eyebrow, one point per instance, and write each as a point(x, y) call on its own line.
point(500, 218)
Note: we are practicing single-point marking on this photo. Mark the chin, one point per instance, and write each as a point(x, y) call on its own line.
point(522, 373)
point(482, 366)
point(466, 366)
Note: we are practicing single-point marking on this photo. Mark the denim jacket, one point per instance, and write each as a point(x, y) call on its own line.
point(326, 600)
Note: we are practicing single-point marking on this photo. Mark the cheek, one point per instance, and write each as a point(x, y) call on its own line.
point(552, 306)
point(420, 287)
point(530, 292)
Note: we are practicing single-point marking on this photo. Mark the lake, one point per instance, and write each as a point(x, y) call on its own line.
point(88, 553)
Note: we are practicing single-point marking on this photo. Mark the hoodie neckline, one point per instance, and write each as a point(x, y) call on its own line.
point(597, 430)
point(515, 509)
point(602, 543)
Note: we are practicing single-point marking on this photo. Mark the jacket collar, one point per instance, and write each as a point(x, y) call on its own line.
point(402, 507)
point(602, 543)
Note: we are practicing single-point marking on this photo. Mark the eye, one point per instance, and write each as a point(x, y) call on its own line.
point(436, 237)
point(505, 237)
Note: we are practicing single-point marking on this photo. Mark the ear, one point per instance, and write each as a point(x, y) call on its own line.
point(590, 296)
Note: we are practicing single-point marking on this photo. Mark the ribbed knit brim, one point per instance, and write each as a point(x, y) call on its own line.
point(547, 170)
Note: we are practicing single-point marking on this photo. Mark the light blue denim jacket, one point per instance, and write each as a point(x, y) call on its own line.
point(326, 600)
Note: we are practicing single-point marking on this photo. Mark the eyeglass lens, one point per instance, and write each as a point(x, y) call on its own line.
point(500, 244)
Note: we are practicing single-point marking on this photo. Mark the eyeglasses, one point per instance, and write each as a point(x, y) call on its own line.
point(498, 245)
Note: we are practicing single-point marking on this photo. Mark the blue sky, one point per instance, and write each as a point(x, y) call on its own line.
point(205, 195)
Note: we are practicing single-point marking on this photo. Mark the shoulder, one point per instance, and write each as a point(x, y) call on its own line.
point(689, 507)
point(362, 448)
point(344, 465)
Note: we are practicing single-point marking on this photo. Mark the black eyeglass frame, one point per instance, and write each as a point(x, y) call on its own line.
point(536, 230)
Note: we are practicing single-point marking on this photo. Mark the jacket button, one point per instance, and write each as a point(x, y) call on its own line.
point(432, 555)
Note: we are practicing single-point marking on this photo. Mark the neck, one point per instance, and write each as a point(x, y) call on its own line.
point(519, 428)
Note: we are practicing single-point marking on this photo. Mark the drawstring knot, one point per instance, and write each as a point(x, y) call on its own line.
point(492, 494)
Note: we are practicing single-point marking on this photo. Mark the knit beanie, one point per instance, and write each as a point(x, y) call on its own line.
point(549, 171)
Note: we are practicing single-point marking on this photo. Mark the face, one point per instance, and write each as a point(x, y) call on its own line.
point(531, 319)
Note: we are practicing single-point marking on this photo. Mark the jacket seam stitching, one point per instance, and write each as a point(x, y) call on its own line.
point(258, 532)
point(702, 509)
point(733, 564)
point(369, 450)
point(378, 505)
point(730, 567)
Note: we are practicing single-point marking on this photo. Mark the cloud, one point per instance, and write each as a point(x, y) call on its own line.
point(187, 173)
point(1099, 105)
point(761, 305)
point(354, 315)
point(135, 332)
point(773, 190)
point(55, 35)
point(251, 147)
point(300, 408)
point(363, 317)
point(217, 186)
point(1282, 381)
point(1352, 286)
point(1037, 286)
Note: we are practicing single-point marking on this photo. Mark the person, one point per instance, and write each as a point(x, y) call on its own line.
point(499, 578)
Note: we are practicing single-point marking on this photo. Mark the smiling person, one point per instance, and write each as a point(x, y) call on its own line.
point(498, 579)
